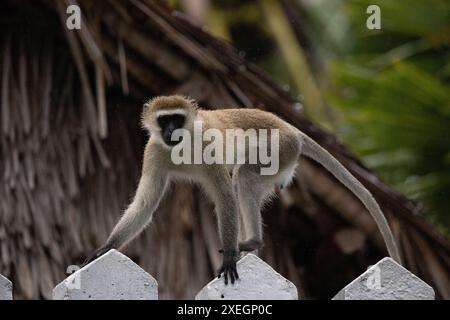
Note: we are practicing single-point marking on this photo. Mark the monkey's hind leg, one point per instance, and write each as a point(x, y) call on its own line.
point(251, 192)
point(235, 182)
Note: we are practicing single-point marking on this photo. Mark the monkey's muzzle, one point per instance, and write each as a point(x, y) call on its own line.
point(167, 137)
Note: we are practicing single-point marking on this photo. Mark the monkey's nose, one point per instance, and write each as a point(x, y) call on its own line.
point(167, 136)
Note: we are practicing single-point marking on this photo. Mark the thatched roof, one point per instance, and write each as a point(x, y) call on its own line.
point(71, 147)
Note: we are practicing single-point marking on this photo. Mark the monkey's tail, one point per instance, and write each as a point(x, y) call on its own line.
point(314, 151)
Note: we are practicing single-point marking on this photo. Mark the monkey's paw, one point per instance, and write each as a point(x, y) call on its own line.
point(97, 253)
point(229, 267)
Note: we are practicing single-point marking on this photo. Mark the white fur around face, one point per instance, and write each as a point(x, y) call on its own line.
point(156, 132)
point(172, 111)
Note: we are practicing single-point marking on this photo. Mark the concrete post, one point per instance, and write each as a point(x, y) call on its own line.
point(386, 280)
point(257, 281)
point(5, 288)
point(113, 276)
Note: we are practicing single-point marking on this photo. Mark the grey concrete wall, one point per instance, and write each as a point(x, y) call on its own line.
point(114, 276)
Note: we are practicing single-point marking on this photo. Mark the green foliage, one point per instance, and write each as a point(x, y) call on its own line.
point(391, 88)
point(399, 121)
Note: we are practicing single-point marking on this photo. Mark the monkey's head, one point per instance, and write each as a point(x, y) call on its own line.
point(164, 114)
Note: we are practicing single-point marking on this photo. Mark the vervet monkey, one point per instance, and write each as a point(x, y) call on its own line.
point(238, 198)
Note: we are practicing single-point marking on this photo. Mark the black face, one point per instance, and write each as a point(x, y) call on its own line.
point(168, 124)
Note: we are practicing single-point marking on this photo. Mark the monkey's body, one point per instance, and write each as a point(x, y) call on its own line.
point(237, 197)
point(250, 188)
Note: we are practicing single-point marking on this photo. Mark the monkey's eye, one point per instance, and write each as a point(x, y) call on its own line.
point(163, 121)
point(178, 120)
point(172, 120)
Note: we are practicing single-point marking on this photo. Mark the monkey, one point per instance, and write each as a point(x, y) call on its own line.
point(238, 191)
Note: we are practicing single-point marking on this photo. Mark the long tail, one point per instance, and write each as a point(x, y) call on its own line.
point(314, 151)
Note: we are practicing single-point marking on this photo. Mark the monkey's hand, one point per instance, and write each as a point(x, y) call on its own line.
point(97, 253)
point(229, 266)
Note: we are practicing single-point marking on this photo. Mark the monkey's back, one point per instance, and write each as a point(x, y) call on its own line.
point(244, 118)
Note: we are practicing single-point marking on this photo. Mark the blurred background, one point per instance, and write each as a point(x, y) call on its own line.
point(71, 144)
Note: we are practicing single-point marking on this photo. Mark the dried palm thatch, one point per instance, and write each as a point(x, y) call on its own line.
point(71, 144)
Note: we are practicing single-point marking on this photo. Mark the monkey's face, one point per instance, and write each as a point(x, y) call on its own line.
point(163, 115)
point(167, 124)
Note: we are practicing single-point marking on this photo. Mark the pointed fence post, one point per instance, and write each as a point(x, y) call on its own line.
point(6, 288)
point(257, 281)
point(113, 276)
point(386, 280)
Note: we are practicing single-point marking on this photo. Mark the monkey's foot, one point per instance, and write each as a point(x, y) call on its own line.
point(250, 245)
point(229, 267)
point(97, 253)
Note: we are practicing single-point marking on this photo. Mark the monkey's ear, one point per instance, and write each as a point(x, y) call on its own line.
point(146, 116)
point(146, 108)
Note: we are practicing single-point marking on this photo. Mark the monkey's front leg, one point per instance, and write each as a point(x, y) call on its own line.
point(150, 190)
point(221, 190)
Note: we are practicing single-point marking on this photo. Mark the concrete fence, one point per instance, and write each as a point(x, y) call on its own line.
point(115, 276)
